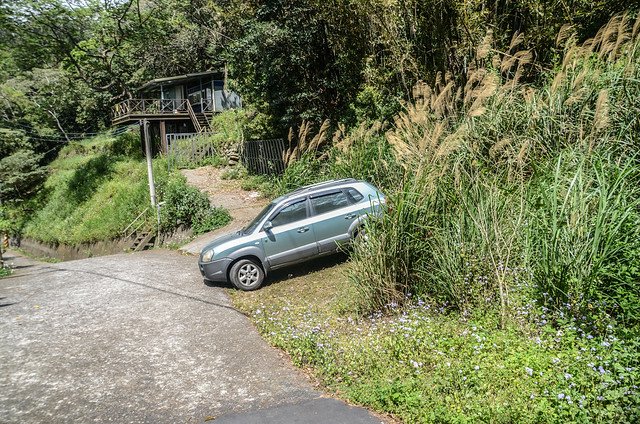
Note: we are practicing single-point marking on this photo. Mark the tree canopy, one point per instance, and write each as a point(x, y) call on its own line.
point(65, 63)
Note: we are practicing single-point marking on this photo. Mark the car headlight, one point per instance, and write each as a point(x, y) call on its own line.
point(207, 255)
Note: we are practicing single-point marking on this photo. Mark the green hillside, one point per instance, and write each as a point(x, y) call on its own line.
point(94, 192)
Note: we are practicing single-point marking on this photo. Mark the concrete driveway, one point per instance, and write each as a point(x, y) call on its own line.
point(140, 338)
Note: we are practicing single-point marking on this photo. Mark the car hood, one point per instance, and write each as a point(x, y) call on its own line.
point(223, 239)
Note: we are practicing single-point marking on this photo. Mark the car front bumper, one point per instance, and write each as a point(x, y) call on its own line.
point(215, 270)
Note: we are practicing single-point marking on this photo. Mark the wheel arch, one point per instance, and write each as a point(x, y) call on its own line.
point(252, 257)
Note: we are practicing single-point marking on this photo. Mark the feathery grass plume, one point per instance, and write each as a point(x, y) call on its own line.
point(593, 44)
point(499, 147)
point(636, 27)
point(521, 57)
point(303, 135)
point(569, 59)
point(507, 62)
point(623, 36)
point(485, 46)
point(578, 81)
point(458, 96)
point(609, 37)
point(516, 40)
point(286, 155)
point(565, 33)
point(319, 139)
point(577, 96)
point(558, 81)
point(444, 102)
point(478, 111)
point(450, 144)
point(523, 153)
point(601, 114)
point(339, 136)
point(294, 152)
point(473, 78)
point(486, 89)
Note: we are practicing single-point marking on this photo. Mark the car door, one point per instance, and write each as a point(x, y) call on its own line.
point(291, 237)
point(334, 214)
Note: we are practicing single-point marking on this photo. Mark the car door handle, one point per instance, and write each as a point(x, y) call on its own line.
point(303, 229)
point(350, 216)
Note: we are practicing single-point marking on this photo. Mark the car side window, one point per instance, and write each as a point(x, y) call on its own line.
point(294, 212)
point(329, 202)
point(355, 195)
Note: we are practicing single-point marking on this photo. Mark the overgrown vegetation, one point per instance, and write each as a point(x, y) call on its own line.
point(94, 192)
point(5, 271)
point(187, 206)
point(501, 284)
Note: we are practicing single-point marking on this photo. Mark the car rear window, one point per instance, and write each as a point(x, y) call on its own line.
point(329, 202)
point(354, 194)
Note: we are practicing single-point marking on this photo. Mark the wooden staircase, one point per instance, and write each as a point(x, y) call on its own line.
point(144, 240)
point(203, 121)
point(200, 120)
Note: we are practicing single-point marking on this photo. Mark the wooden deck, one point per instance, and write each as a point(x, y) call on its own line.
point(156, 110)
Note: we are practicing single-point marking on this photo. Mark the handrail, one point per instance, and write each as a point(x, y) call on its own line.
point(134, 221)
point(194, 118)
point(150, 106)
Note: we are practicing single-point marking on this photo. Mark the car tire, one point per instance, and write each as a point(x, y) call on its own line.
point(361, 235)
point(246, 275)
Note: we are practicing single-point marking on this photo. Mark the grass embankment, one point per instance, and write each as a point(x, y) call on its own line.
point(502, 283)
point(98, 186)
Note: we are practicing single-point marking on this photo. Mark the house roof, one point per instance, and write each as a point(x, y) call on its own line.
point(175, 80)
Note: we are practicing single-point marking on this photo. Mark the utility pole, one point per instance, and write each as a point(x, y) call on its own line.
point(1, 247)
point(152, 184)
point(1, 242)
point(147, 150)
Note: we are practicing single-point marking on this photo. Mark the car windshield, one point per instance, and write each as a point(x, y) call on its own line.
point(250, 228)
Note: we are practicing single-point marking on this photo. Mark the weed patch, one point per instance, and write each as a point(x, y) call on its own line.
point(421, 363)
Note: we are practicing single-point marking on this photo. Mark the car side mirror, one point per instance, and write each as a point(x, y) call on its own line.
point(267, 226)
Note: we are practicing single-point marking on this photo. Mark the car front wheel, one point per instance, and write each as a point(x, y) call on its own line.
point(246, 275)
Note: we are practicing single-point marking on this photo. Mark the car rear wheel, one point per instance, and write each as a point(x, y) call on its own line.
point(246, 275)
point(361, 235)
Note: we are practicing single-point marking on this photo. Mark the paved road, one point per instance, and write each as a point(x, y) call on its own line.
point(139, 338)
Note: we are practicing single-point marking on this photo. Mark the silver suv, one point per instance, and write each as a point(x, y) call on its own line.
point(309, 222)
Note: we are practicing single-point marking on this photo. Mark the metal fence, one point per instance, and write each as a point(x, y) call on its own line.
point(258, 156)
point(264, 156)
point(184, 149)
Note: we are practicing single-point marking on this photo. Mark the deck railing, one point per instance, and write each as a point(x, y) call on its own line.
point(149, 107)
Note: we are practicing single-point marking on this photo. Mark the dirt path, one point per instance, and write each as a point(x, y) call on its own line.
point(242, 205)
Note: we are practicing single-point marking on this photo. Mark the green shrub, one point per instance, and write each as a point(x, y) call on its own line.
point(128, 144)
point(5, 271)
point(187, 206)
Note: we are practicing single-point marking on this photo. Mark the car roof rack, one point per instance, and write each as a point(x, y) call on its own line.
point(324, 184)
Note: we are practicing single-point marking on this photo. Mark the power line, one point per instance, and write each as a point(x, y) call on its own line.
point(34, 135)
